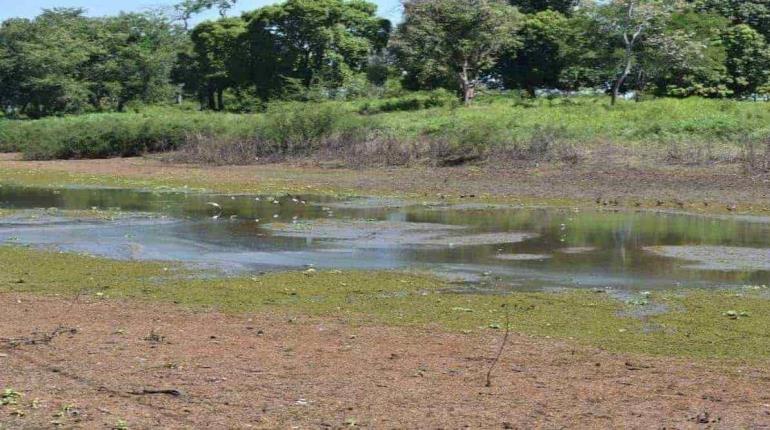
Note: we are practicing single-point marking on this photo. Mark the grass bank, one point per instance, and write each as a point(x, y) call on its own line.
point(416, 129)
point(696, 323)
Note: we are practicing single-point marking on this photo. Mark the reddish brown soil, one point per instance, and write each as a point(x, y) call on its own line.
point(660, 186)
point(268, 371)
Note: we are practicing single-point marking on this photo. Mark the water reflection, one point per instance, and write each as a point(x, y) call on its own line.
point(582, 248)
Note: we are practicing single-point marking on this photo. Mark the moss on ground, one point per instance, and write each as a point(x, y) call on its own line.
point(277, 180)
point(52, 178)
point(698, 323)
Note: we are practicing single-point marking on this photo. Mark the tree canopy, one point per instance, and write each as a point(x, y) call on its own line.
point(454, 40)
point(65, 62)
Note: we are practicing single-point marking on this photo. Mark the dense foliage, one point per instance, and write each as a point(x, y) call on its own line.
point(63, 62)
point(420, 127)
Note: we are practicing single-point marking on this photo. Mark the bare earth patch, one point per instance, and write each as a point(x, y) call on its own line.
point(158, 366)
point(723, 258)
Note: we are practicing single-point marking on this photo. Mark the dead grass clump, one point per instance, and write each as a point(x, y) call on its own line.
point(374, 150)
point(756, 156)
point(546, 144)
point(207, 149)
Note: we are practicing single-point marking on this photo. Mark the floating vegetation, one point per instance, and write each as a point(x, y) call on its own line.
point(363, 233)
point(523, 257)
point(722, 258)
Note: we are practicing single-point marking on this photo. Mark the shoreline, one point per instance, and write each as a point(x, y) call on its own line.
point(714, 190)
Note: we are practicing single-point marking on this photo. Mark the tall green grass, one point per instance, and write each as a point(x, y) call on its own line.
point(425, 125)
point(117, 134)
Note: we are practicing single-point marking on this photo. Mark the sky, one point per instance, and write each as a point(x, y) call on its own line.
point(30, 8)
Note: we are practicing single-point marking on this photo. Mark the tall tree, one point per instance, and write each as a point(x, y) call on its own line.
point(688, 57)
point(42, 62)
point(748, 60)
point(65, 62)
point(540, 59)
point(215, 47)
point(590, 57)
point(454, 40)
point(311, 42)
point(136, 53)
point(630, 21)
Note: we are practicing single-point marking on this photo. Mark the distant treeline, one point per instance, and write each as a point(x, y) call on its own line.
point(63, 62)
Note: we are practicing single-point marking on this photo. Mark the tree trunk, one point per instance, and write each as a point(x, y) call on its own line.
point(466, 85)
point(220, 99)
point(531, 91)
point(621, 79)
point(211, 100)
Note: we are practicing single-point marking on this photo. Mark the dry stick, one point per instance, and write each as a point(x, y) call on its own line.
point(502, 346)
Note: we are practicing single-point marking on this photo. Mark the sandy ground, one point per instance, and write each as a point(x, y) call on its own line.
point(275, 371)
point(715, 188)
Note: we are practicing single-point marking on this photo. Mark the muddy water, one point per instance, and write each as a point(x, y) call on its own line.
point(528, 248)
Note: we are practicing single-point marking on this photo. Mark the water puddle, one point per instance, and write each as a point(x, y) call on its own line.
point(526, 248)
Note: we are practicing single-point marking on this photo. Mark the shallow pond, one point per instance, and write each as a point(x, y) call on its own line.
point(528, 248)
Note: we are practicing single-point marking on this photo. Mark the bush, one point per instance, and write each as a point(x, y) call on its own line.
point(679, 131)
point(411, 102)
point(297, 128)
point(120, 134)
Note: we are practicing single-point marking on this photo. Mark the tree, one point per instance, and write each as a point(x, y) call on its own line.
point(564, 7)
point(748, 59)
point(185, 10)
point(215, 47)
point(590, 57)
point(310, 42)
point(688, 58)
point(64, 62)
point(755, 13)
point(135, 56)
point(454, 40)
point(630, 21)
point(540, 59)
point(42, 62)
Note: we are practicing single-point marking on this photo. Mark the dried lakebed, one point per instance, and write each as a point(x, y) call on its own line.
point(522, 248)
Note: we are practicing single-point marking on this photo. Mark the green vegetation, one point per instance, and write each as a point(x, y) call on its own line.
point(504, 126)
point(330, 78)
point(104, 135)
point(696, 324)
point(63, 62)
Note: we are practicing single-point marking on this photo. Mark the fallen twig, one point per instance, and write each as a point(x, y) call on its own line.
point(146, 391)
point(502, 346)
point(43, 339)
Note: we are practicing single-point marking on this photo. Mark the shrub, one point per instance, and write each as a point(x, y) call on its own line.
point(297, 128)
point(124, 134)
point(411, 102)
point(679, 131)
